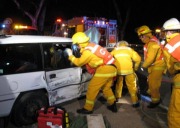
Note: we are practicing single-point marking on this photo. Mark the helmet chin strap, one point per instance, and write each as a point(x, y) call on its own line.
point(82, 45)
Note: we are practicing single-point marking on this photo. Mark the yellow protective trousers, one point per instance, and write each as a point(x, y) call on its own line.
point(98, 83)
point(131, 81)
point(154, 83)
point(174, 106)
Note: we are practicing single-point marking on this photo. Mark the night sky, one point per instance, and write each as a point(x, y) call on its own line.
point(143, 12)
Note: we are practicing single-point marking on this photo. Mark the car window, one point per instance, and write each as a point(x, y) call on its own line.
point(55, 56)
point(19, 58)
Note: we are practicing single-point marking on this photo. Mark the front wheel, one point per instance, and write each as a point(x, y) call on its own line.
point(25, 109)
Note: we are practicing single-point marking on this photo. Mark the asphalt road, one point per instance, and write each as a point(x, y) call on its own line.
point(126, 117)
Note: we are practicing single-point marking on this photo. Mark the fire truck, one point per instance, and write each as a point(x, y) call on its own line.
point(106, 28)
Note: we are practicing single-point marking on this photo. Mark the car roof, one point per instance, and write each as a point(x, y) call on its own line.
point(17, 39)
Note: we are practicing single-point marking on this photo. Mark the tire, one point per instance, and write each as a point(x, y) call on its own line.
point(25, 109)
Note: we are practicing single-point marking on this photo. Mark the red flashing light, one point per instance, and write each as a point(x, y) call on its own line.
point(58, 20)
point(82, 21)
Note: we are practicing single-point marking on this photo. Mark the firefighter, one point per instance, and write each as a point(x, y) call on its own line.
point(171, 51)
point(126, 70)
point(102, 73)
point(153, 62)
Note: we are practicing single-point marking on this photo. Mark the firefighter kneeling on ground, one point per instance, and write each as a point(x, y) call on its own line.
point(103, 73)
point(127, 62)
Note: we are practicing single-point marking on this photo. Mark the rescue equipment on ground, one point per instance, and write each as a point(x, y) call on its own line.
point(53, 117)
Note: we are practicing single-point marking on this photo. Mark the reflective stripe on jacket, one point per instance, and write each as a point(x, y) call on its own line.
point(173, 47)
point(94, 62)
point(153, 54)
point(126, 60)
point(153, 39)
point(100, 52)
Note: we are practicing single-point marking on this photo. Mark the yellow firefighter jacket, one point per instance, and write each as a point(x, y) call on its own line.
point(126, 60)
point(87, 57)
point(153, 59)
point(173, 65)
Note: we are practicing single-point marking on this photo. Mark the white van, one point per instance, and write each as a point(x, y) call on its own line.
point(35, 72)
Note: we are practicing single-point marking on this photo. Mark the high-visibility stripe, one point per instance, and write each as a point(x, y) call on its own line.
point(105, 75)
point(101, 52)
point(125, 72)
point(111, 61)
point(172, 48)
point(145, 49)
point(155, 99)
point(110, 98)
point(93, 49)
point(90, 102)
point(133, 95)
point(177, 84)
point(118, 55)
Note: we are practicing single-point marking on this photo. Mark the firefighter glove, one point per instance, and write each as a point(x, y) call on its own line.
point(68, 51)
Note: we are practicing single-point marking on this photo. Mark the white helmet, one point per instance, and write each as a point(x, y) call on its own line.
point(171, 24)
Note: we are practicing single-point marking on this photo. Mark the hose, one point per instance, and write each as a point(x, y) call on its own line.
point(145, 99)
point(156, 113)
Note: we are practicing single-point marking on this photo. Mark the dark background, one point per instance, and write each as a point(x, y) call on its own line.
point(152, 13)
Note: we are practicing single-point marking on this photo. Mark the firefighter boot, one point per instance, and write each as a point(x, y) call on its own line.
point(153, 105)
point(136, 105)
point(84, 111)
point(102, 100)
point(113, 107)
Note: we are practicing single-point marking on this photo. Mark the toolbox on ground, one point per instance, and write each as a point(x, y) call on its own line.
point(51, 117)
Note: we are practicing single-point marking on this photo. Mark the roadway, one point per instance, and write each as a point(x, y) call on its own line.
point(126, 117)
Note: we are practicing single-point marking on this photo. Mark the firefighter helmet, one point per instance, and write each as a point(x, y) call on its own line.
point(143, 30)
point(79, 38)
point(171, 24)
point(122, 43)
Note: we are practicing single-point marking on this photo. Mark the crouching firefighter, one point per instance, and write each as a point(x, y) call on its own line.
point(126, 70)
point(99, 62)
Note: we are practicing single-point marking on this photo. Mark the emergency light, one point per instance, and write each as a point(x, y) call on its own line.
point(58, 20)
point(3, 25)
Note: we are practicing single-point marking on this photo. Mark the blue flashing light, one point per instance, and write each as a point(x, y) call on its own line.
point(3, 25)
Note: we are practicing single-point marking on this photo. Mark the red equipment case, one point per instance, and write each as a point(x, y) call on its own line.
point(51, 118)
